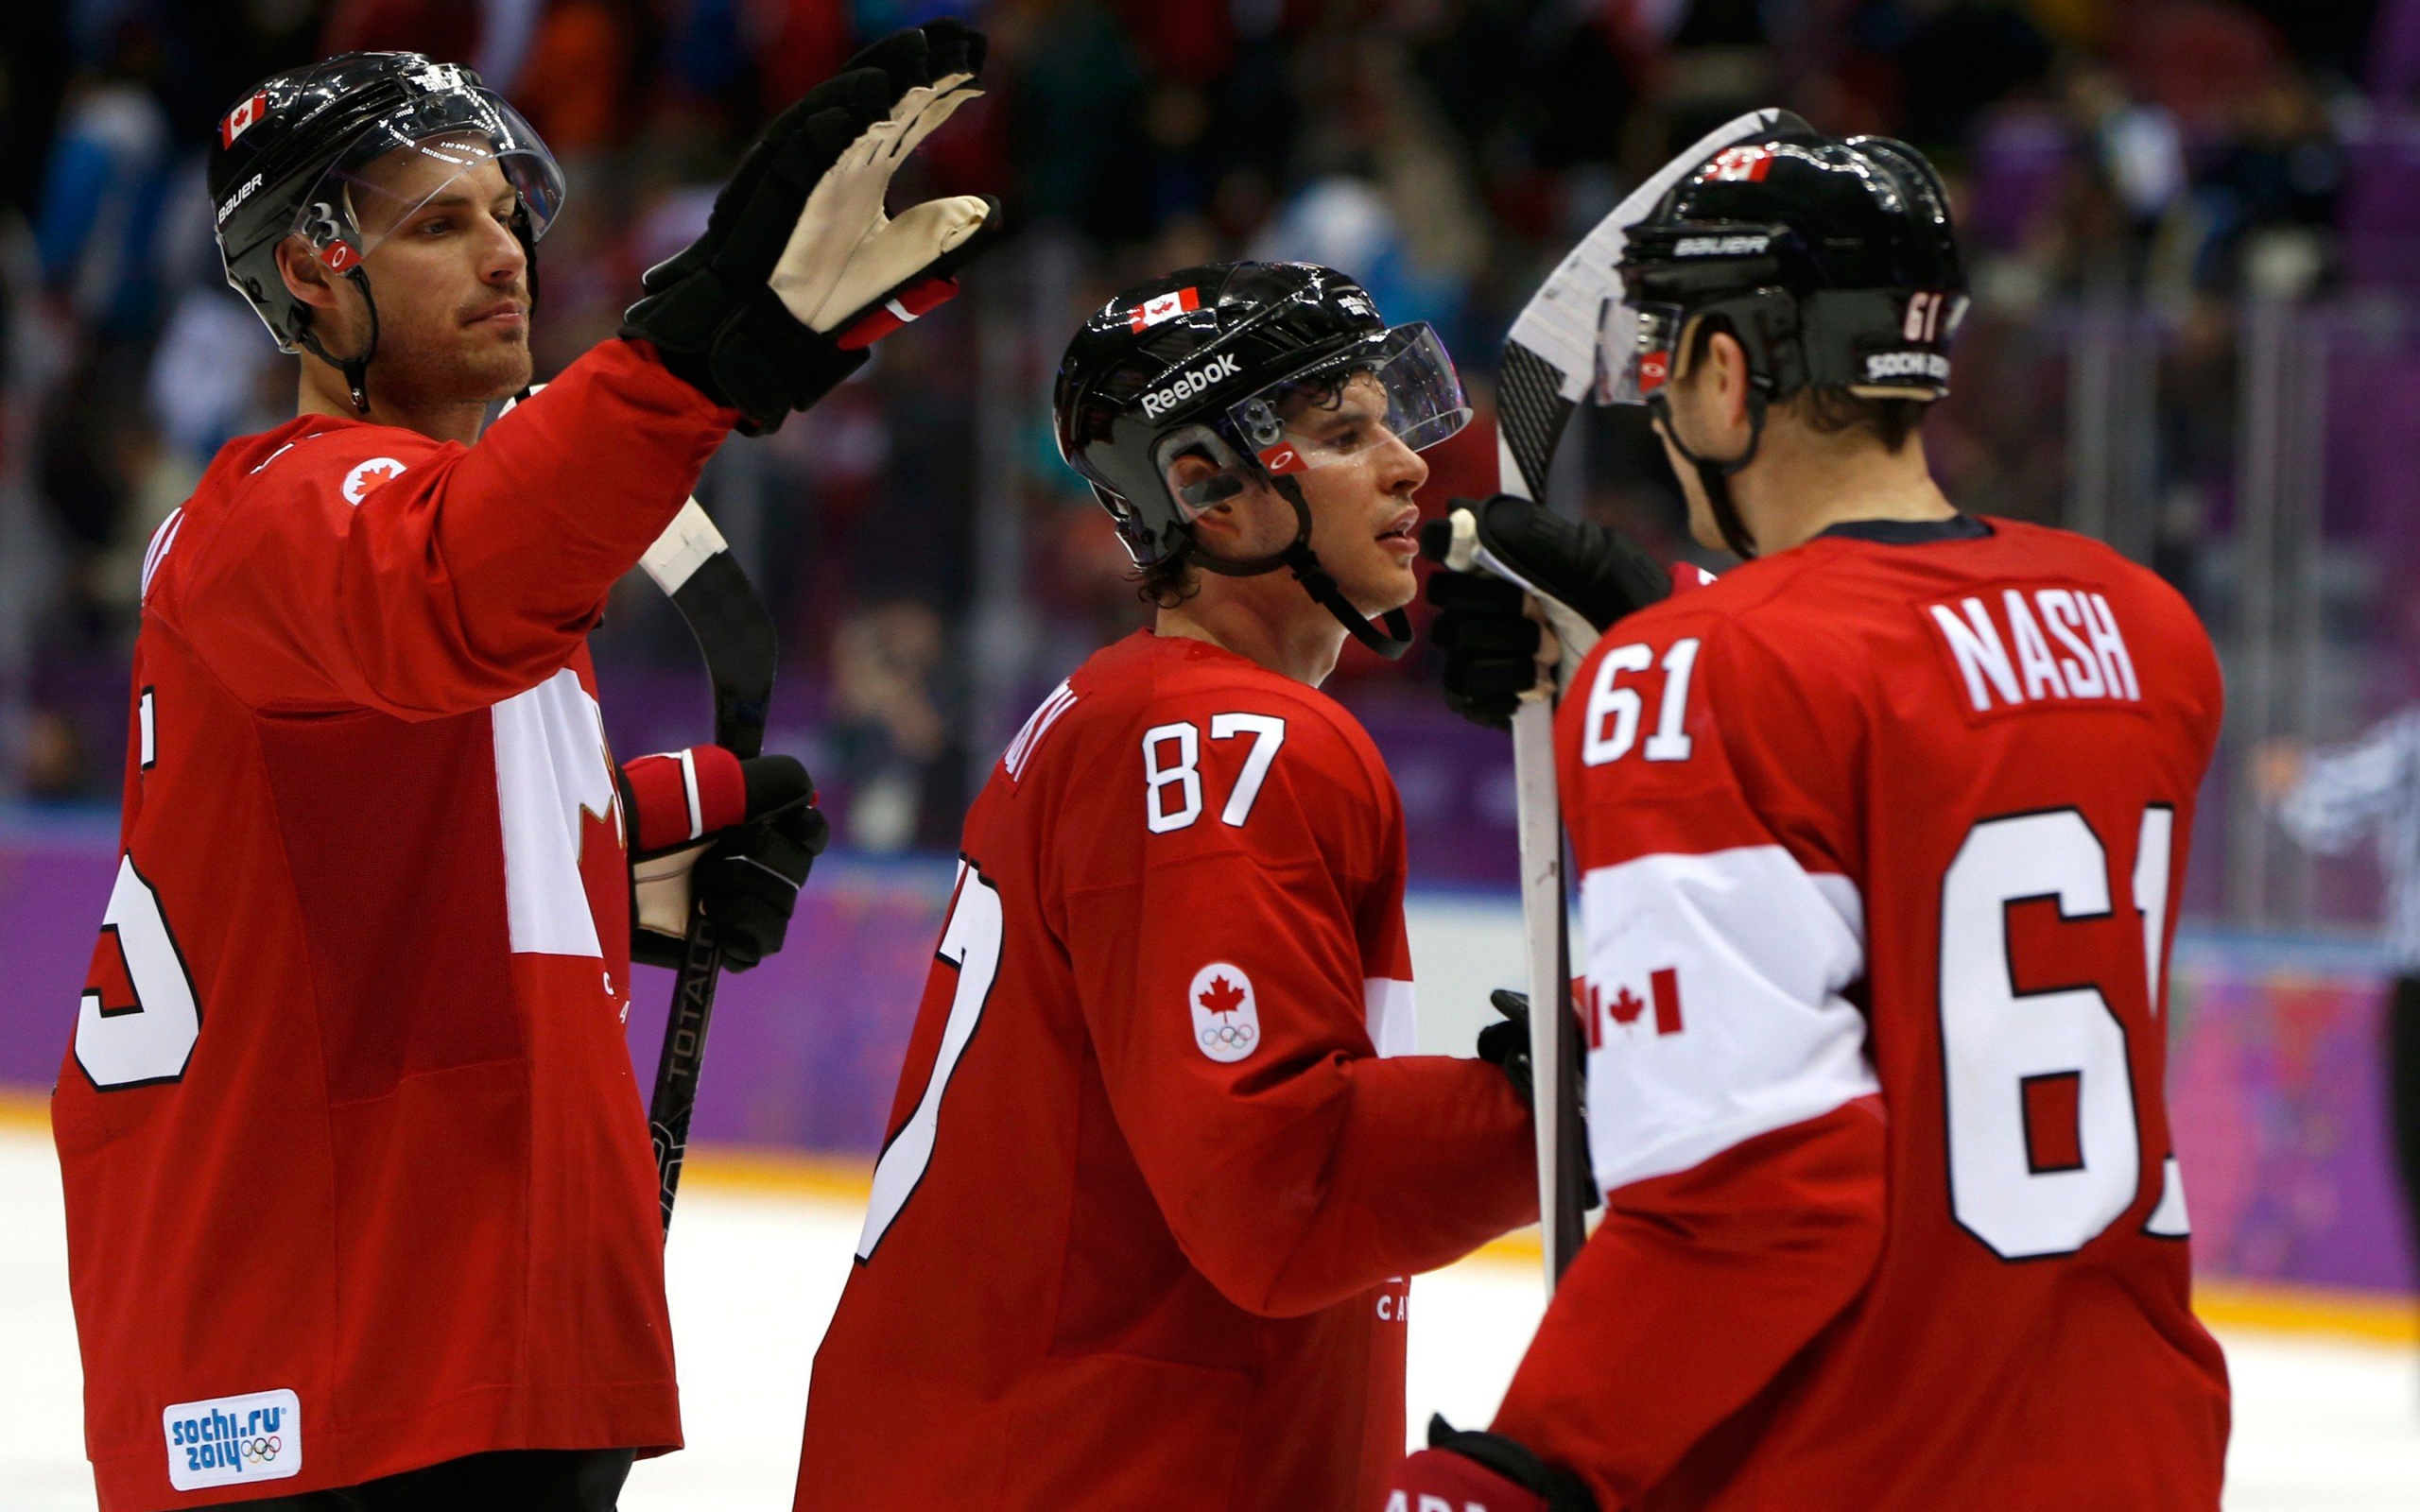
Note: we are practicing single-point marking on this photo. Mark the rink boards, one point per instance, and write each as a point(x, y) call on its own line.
point(2274, 1080)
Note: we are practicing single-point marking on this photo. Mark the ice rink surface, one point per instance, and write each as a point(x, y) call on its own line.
point(2320, 1425)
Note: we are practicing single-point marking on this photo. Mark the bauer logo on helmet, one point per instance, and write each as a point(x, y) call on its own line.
point(1721, 245)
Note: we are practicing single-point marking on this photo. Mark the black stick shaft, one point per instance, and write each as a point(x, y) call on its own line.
point(683, 1057)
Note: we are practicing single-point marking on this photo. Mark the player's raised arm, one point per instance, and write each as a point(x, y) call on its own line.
point(383, 214)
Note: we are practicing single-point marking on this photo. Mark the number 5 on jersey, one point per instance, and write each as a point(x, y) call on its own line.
point(139, 1016)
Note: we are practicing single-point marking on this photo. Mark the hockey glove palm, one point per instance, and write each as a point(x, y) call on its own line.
point(716, 313)
point(734, 837)
point(1491, 643)
point(1469, 1472)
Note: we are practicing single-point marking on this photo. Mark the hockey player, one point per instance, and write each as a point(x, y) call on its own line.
point(361, 1208)
point(1160, 1163)
point(1881, 837)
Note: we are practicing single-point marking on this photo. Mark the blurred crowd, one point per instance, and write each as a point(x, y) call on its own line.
point(2178, 162)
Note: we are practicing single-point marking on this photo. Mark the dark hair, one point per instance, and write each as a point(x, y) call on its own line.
point(1832, 411)
point(1828, 409)
point(1167, 582)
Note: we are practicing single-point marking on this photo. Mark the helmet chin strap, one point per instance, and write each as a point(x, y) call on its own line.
point(1715, 477)
point(355, 369)
point(1391, 642)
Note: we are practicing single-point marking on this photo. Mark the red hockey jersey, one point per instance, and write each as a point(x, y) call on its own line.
point(357, 1172)
point(1880, 843)
point(1160, 1163)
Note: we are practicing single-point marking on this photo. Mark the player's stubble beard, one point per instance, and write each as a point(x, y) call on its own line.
point(428, 360)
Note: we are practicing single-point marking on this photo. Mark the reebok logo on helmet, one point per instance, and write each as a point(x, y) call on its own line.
point(1200, 381)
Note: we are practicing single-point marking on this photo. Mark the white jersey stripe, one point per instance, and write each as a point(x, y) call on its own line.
point(1715, 994)
point(1037, 724)
point(157, 551)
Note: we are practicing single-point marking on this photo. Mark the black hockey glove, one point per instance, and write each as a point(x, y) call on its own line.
point(800, 270)
point(1491, 644)
point(749, 881)
point(736, 836)
point(1463, 1467)
point(1506, 1046)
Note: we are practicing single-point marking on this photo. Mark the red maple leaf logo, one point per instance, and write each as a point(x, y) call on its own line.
point(1625, 1006)
point(1223, 996)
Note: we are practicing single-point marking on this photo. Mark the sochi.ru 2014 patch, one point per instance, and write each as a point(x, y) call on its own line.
point(234, 1440)
point(1226, 1019)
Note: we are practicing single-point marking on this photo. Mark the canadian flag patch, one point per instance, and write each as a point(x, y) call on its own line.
point(1741, 164)
point(1226, 1019)
point(241, 117)
point(1623, 1006)
point(1166, 307)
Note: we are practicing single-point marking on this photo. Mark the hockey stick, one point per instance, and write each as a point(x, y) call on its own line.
point(693, 564)
point(1552, 361)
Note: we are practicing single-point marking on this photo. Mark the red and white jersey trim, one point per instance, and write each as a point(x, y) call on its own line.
point(550, 768)
point(1746, 956)
point(1036, 726)
point(1387, 1008)
point(157, 552)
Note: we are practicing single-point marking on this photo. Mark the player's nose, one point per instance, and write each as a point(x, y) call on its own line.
point(502, 261)
point(1401, 469)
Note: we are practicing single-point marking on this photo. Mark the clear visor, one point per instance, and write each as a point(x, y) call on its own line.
point(1639, 349)
point(465, 146)
point(1398, 388)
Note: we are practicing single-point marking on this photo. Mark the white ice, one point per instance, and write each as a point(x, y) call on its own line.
point(2321, 1425)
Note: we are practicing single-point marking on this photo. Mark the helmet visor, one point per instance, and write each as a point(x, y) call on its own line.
point(1639, 351)
point(1392, 387)
point(465, 144)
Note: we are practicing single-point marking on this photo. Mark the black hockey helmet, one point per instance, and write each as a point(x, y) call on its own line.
point(291, 156)
point(1222, 362)
point(1833, 261)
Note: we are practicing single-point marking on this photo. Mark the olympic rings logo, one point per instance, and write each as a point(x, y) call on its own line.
point(261, 1451)
point(1227, 1036)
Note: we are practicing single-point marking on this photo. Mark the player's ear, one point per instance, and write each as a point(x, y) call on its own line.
point(1726, 376)
point(306, 278)
point(1201, 484)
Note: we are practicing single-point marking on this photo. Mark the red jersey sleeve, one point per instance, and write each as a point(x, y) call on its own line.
point(1230, 902)
point(368, 566)
point(1734, 1115)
